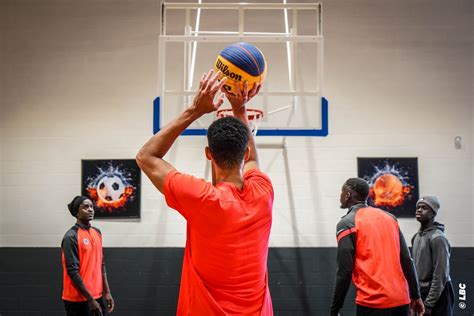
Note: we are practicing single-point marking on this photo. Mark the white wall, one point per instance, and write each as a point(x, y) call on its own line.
point(80, 79)
point(405, 65)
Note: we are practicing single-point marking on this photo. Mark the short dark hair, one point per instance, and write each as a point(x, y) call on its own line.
point(228, 139)
point(359, 186)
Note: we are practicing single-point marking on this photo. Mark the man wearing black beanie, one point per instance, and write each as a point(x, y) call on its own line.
point(84, 276)
point(431, 252)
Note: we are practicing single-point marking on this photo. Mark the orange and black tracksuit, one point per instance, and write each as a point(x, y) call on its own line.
point(373, 252)
point(82, 258)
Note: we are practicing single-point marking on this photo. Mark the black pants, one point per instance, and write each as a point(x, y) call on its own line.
point(82, 308)
point(445, 304)
point(403, 310)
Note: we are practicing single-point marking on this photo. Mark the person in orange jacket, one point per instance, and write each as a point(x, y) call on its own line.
point(84, 276)
point(372, 251)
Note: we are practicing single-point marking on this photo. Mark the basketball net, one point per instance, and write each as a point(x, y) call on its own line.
point(254, 116)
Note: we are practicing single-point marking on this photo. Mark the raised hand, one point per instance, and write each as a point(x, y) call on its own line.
point(241, 97)
point(208, 87)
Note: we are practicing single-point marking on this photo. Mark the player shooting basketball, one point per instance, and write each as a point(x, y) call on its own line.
point(228, 220)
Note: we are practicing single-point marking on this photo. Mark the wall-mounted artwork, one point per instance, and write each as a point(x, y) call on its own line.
point(393, 183)
point(113, 186)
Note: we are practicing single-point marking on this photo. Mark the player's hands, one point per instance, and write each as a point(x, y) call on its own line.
point(417, 307)
point(110, 302)
point(208, 87)
point(94, 307)
point(241, 97)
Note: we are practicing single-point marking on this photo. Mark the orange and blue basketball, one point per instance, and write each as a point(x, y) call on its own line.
point(241, 62)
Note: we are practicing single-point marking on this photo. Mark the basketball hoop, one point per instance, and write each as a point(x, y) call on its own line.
point(254, 116)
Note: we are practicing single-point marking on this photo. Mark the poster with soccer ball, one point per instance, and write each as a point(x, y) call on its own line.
point(393, 183)
point(113, 186)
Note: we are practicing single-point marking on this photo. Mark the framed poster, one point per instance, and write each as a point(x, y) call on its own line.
point(113, 186)
point(393, 183)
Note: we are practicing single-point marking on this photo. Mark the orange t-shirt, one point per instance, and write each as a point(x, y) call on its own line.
point(225, 261)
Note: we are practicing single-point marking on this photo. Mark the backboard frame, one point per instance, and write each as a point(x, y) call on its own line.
point(192, 36)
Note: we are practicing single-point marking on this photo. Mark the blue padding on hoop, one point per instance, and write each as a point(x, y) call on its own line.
point(322, 132)
point(156, 115)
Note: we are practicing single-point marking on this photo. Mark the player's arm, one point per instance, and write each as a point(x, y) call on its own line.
point(105, 283)
point(107, 294)
point(106, 288)
point(238, 102)
point(440, 257)
point(409, 270)
point(71, 256)
point(150, 157)
point(345, 265)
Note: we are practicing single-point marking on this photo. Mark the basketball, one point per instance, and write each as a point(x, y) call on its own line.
point(388, 190)
point(241, 62)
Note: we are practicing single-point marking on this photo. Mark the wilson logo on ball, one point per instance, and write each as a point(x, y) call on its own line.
point(241, 62)
point(225, 71)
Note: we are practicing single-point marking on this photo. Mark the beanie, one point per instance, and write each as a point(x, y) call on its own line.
point(75, 203)
point(431, 201)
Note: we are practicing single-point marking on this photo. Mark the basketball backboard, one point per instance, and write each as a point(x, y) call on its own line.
point(290, 37)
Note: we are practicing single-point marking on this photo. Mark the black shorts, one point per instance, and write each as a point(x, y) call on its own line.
point(82, 308)
point(403, 310)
